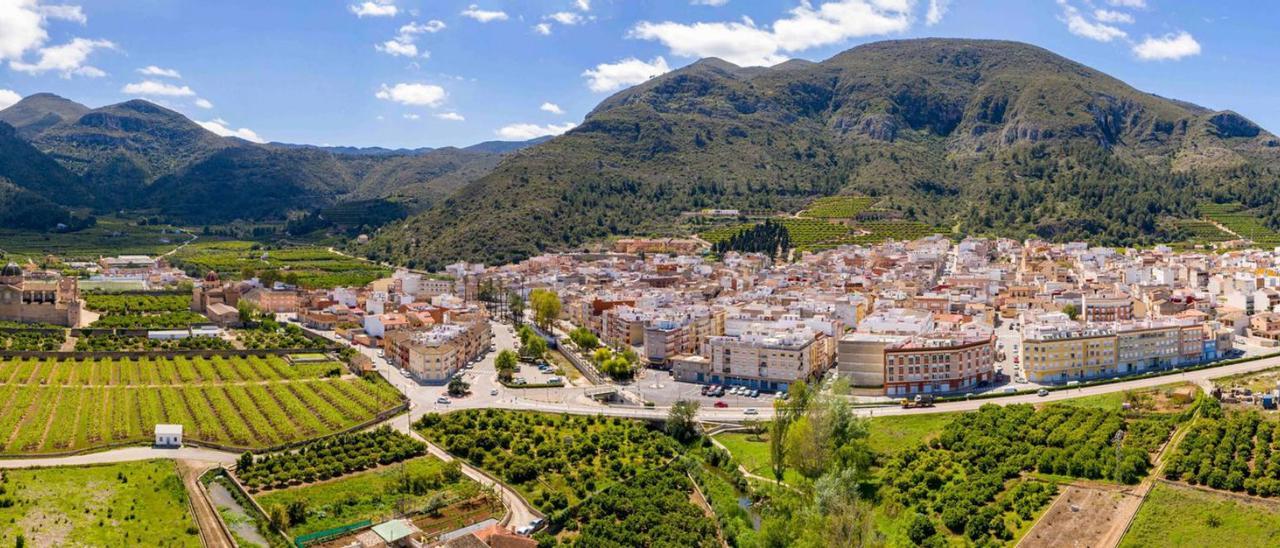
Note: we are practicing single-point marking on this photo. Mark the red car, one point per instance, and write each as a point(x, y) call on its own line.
point(721, 404)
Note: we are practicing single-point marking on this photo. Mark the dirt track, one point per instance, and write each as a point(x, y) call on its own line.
point(212, 532)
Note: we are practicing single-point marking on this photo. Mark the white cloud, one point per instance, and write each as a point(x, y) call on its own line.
point(583, 5)
point(937, 9)
point(67, 13)
point(627, 72)
point(1110, 16)
point(1128, 3)
point(220, 127)
point(551, 107)
point(565, 18)
point(418, 95)
point(375, 8)
point(484, 16)
point(8, 97)
point(411, 116)
point(804, 27)
point(433, 26)
point(153, 88)
point(1170, 47)
point(713, 3)
point(203, 103)
point(1080, 25)
point(543, 29)
point(21, 29)
point(397, 48)
point(68, 59)
point(451, 116)
point(524, 132)
point(152, 70)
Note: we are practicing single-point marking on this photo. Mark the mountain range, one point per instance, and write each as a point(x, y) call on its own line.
point(140, 156)
point(978, 136)
point(981, 137)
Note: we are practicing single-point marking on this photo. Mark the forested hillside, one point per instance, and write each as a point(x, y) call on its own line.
point(986, 137)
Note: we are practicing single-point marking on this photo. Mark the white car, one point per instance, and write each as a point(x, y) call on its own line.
point(493, 392)
point(751, 411)
point(524, 530)
point(442, 400)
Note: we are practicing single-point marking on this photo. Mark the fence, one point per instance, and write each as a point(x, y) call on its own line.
point(116, 354)
point(329, 534)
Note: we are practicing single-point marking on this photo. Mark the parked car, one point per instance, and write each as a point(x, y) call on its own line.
point(524, 530)
point(755, 393)
point(721, 405)
point(751, 411)
point(1042, 392)
point(705, 389)
point(442, 400)
point(493, 392)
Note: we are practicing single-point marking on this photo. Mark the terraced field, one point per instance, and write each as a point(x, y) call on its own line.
point(838, 207)
point(817, 234)
point(1236, 219)
point(1203, 231)
point(51, 406)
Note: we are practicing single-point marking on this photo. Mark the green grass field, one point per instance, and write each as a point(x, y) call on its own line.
point(753, 455)
point(130, 504)
point(894, 433)
point(1174, 516)
point(888, 435)
point(368, 495)
point(49, 406)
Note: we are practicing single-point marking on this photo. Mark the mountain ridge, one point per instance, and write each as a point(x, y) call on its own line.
point(948, 132)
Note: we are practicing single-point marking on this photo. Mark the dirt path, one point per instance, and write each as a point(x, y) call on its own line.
point(213, 533)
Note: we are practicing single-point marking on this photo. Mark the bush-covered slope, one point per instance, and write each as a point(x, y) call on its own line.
point(987, 136)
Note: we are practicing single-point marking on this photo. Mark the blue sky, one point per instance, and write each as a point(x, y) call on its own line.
point(410, 73)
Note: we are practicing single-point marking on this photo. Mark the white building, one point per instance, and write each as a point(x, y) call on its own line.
point(169, 435)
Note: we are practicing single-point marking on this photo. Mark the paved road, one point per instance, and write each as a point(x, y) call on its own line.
point(125, 454)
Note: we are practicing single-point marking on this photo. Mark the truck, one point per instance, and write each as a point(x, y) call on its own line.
point(921, 400)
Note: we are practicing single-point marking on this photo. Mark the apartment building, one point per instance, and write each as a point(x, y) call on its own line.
point(1066, 352)
point(681, 334)
point(435, 354)
point(939, 363)
point(761, 357)
point(1106, 308)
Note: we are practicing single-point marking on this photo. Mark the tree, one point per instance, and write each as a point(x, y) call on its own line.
point(546, 307)
point(245, 461)
point(515, 306)
point(682, 421)
point(505, 363)
point(458, 387)
point(601, 355)
point(535, 348)
point(920, 528)
point(297, 512)
point(277, 517)
point(247, 311)
point(1072, 311)
point(778, 441)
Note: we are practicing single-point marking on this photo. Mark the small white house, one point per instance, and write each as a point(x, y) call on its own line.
point(169, 435)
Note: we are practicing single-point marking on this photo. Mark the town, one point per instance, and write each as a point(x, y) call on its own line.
point(638, 329)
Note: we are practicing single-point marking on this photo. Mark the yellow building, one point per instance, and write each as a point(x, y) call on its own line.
point(1051, 353)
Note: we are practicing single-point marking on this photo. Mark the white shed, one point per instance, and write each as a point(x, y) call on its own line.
point(169, 435)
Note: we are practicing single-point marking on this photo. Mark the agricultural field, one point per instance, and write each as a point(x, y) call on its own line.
point(1175, 516)
point(111, 236)
point(1203, 231)
point(309, 267)
point(118, 343)
point(812, 234)
point(32, 339)
point(1259, 381)
point(327, 458)
point(49, 406)
point(270, 334)
point(1236, 451)
point(423, 483)
point(162, 320)
point(130, 504)
point(650, 509)
point(555, 461)
point(1239, 221)
point(838, 207)
point(136, 303)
